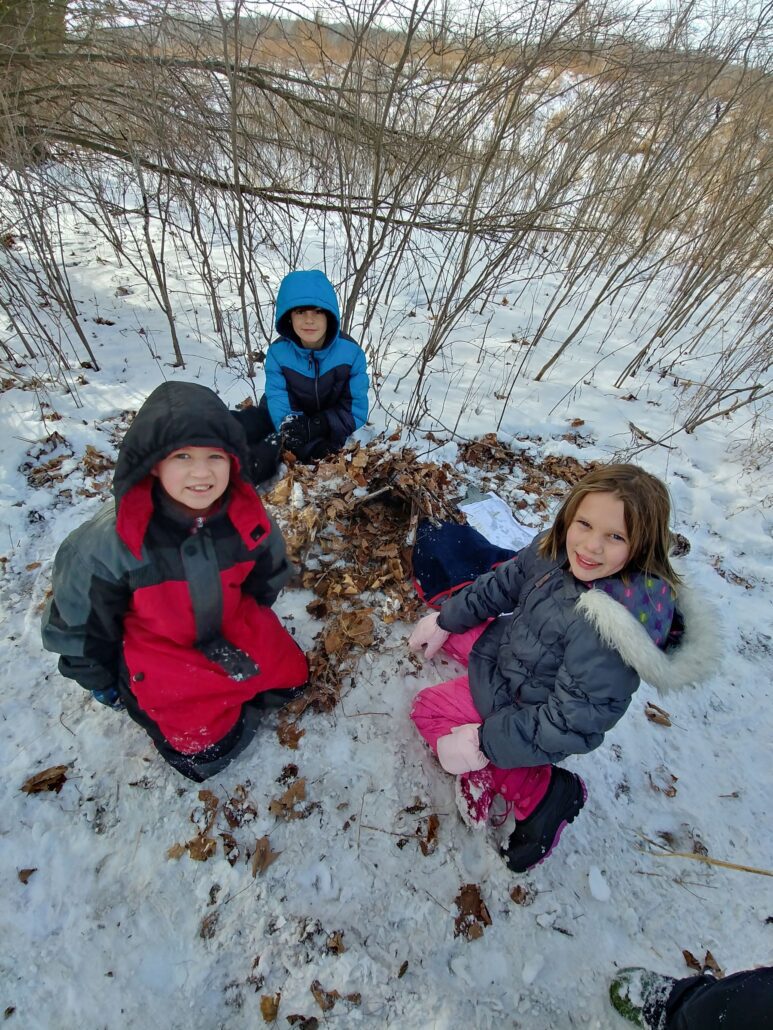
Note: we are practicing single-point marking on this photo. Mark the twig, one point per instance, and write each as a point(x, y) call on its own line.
point(136, 844)
point(678, 880)
point(644, 436)
point(706, 859)
point(359, 823)
point(392, 833)
point(61, 720)
point(369, 497)
point(448, 910)
point(356, 715)
point(232, 896)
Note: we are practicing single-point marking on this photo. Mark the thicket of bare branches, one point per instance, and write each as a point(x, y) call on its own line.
point(615, 154)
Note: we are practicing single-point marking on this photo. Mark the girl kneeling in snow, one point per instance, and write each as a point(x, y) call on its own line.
point(162, 602)
point(555, 641)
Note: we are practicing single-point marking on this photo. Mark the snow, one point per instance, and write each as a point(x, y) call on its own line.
point(109, 931)
point(599, 887)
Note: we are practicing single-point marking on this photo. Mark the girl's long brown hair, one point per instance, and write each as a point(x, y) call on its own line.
point(647, 510)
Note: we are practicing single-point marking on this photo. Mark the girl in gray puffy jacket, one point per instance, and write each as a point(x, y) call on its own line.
point(556, 641)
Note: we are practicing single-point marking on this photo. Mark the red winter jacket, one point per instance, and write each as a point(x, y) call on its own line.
point(175, 612)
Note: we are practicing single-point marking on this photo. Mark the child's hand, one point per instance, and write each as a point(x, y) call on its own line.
point(459, 751)
point(427, 632)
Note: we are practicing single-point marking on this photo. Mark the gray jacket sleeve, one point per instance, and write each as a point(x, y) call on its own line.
point(592, 691)
point(490, 595)
point(83, 621)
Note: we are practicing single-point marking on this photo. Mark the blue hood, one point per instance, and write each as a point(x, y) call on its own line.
point(310, 289)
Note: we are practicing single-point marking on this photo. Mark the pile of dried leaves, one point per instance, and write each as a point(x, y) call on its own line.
point(547, 479)
point(350, 524)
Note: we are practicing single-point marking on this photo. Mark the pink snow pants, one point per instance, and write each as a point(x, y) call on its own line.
point(436, 710)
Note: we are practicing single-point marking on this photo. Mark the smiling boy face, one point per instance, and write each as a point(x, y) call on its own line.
point(195, 477)
point(310, 326)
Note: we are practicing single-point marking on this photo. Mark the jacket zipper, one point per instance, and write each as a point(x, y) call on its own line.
point(313, 360)
point(541, 582)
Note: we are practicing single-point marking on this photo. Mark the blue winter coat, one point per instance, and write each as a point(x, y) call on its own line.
point(333, 379)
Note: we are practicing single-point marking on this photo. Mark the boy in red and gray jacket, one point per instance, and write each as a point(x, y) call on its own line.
point(162, 602)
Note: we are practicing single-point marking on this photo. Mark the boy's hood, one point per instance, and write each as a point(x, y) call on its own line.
point(178, 415)
point(306, 289)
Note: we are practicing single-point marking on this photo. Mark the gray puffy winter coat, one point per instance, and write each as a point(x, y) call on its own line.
point(557, 670)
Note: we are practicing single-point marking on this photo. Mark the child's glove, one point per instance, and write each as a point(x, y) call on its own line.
point(109, 697)
point(459, 751)
point(427, 632)
point(298, 430)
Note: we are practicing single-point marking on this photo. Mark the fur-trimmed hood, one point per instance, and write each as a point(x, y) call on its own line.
point(696, 656)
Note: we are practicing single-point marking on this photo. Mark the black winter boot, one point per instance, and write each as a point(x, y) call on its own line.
point(534, 838)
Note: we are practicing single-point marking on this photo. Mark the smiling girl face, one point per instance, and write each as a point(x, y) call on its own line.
point(597, 541)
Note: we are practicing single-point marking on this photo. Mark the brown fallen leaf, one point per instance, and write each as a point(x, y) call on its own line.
point(24, 874)
point(288, 773)
point(325, 999)
point(303, 1022)
point(417, 806)
point(473, 914)
point(522, 895)
point(281, 492)
point(208, 925)
point(201, 848)
point(665, 782)
point(656, 714)
point(428, 841)
point(709, 962)
point(240, 808)
point(230, 848)
point(211, 805)
point(269, 1006)
point(176, 851)
point(317, 608)
point(335, 943)
point(692, 961)
point(285, 806)
point(289, 734)
point(53, 778)
point(263, 856)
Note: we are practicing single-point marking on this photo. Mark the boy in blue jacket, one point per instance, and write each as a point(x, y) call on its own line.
point(316, 379)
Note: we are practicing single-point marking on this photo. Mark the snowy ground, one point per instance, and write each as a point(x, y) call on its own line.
point(108, 931)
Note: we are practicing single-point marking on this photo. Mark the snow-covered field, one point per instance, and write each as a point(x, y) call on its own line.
point(102, 929)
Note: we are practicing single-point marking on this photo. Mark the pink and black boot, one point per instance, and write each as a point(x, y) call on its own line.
point(535, 837)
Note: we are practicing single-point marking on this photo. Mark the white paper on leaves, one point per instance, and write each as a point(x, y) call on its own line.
point(494, 520)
